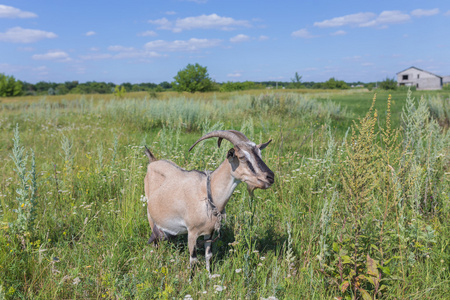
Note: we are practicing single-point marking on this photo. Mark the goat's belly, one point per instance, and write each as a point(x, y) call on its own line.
point(173, 227)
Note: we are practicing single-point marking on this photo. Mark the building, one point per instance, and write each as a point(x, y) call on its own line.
point(422, 80)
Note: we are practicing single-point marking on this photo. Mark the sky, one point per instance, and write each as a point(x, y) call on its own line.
point(150, 41)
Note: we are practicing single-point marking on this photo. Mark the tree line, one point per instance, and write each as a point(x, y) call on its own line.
point(193, 78)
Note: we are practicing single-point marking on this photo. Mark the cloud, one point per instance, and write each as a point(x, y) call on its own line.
point(119, 48)
point(90, 33)
point(339, 32)
point(388, 17)
point(447, 14)
point(234, 75)
point(263, 38)
point(56, 55)
point(212, 21)
point(190, 45)
point(21, 35)
point(13, 13)
point(353, 19)
point(121, 53)
point(240, 38)
point(424, 12)
point(170, 13)
point(366, 19)
point(302, 33)
point(96, 56)
point(147, 33)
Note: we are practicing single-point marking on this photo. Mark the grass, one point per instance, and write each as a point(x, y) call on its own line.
point(358, 209)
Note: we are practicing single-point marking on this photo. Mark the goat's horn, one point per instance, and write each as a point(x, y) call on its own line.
point(232, 136)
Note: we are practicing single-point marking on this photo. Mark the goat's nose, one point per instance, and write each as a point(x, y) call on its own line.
point(271, 177)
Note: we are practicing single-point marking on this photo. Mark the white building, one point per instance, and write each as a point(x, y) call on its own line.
point(422, 80)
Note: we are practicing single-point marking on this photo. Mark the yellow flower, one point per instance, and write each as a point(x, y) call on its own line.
point(64, 233)
point(23, 204)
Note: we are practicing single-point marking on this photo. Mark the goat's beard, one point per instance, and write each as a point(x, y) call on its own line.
point(250, 189)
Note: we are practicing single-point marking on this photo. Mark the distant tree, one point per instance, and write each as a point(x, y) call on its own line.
point(388, 84)
point(165, 85)
point(193, 78)
point(296, 81)
point(9, 87)
point(61, 89)
point(51, 91)
point(332, 83)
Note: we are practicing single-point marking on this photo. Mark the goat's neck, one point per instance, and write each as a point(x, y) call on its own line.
point(222, 185)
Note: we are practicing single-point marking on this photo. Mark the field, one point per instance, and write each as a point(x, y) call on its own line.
point(359, 208)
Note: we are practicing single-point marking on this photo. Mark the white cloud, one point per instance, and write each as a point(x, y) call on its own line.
point(147, 33)
point(21, 35)
point(388, 17)
point(367, 19)
point(56, 55)
point(240, 38)
point(447, 14)
point(170, 13)
point(234, 75)
point(90, 33)
point(302, 33)
point(353, 19)
point(190, 45)
point(339, 32)
point(119, 48)
point(424, 12)
point(212, 21)
point(12, 13)
point(263, 38)
point(96, 56)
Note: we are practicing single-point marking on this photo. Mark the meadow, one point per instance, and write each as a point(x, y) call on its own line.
point(359, 208)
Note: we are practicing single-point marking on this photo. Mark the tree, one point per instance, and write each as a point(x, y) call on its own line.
point(297, 81)
point(388, 84)
point(193, 78)
point(9, 87)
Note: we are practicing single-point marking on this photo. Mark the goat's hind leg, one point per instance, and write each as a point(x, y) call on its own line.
point(208, 251)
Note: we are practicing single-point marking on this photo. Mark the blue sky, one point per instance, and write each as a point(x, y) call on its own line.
point(150, 41)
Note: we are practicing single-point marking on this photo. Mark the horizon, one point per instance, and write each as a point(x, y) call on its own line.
point(260, 41)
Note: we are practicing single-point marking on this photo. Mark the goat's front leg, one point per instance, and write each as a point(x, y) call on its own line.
point(192, 244)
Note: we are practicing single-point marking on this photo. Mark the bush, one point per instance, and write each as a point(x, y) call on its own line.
point(193, 78)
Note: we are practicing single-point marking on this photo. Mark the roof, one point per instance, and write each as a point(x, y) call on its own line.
point(412, 67)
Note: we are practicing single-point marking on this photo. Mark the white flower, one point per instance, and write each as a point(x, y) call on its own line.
point(238, 270)
point(214, 276)
point(219, 288)
point(188, 296)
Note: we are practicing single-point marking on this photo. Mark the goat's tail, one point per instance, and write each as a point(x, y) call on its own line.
point(151, 157)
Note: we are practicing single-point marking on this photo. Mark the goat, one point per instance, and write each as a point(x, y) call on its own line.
point(192, 202)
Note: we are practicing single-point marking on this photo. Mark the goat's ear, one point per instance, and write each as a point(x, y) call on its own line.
point(262, 146)
point(231, 153)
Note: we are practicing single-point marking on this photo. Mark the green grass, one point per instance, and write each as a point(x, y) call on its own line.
point(336, 205)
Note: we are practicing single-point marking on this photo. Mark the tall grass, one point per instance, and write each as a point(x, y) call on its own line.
point(354, 212)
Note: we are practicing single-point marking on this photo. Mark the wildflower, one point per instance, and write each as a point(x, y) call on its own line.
point(238, 270)
point(262, 258)
point(188, 296)
point(23, 204)
point(219, 288)
point(214, 276)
